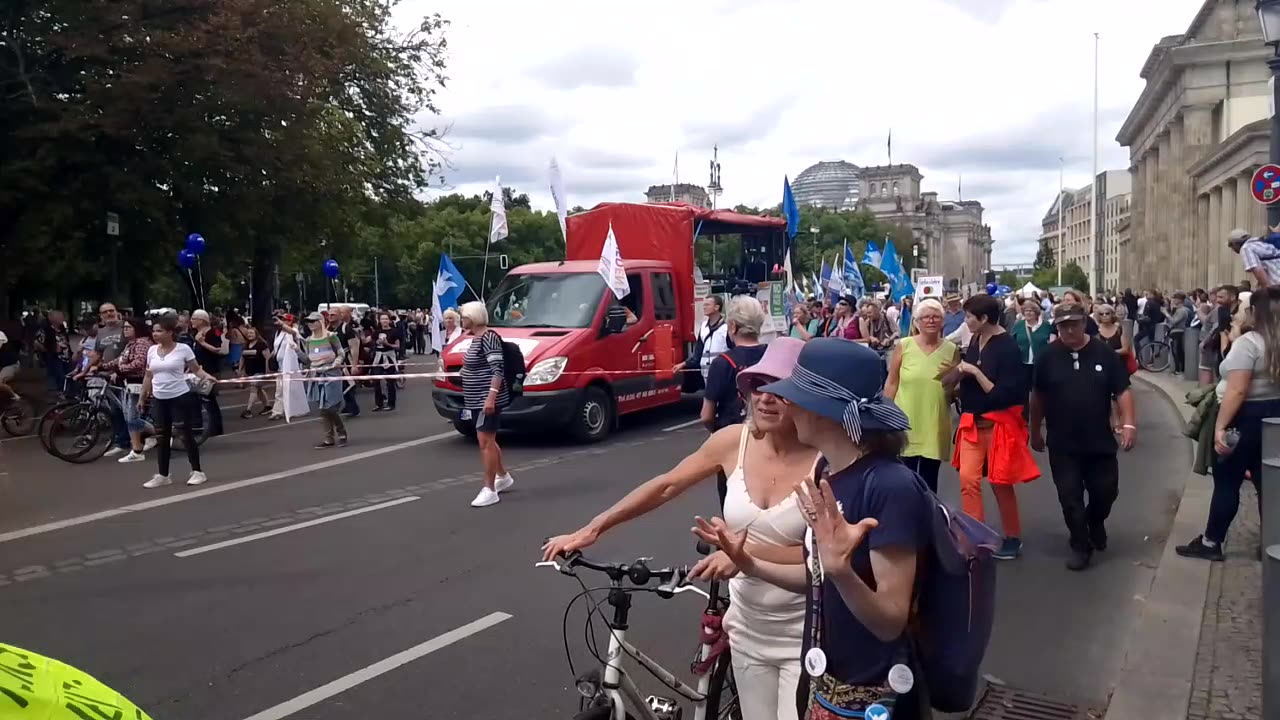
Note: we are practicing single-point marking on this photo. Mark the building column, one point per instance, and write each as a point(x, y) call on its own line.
point(1215, 228)
point(1204, 242)
point(1198, 142)
point(1134, 267)
point(1180, 214)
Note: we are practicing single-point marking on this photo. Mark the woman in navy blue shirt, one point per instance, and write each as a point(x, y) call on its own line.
point(868, 521)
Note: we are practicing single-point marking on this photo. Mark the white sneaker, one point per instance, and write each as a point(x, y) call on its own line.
point(114, 451)
point(157, 481)
point(486, 498)
point(503, 483)
point(197, 478)
point(149, 444)
point(133, 456)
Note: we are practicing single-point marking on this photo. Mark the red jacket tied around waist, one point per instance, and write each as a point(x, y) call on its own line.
point(1009, 461)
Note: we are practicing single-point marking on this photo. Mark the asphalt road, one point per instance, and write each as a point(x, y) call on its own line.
point(387, 596)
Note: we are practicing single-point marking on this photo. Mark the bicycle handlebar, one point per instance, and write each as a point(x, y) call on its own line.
point(673, 579)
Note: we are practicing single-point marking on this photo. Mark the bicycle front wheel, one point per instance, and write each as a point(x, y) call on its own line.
point(1155, 357)
point(19, 419)
point(80, 434)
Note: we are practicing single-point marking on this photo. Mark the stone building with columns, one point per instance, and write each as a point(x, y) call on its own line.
point(1195, 135)
point(952, 237)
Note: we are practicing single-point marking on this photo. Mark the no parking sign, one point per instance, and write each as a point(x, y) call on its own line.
point(1266, 184)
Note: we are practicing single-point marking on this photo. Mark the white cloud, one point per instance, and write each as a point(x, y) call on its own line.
point(996, 90)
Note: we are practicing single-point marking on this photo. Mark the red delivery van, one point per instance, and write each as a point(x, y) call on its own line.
point(591, 357)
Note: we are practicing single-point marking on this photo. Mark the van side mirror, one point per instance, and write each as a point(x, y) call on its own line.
point(615, 320)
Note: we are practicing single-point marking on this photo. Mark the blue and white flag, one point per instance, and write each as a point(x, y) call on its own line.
point(447, 289)
point(899, 282)
point(789, 209)
point(872, 255)
point(852, 275)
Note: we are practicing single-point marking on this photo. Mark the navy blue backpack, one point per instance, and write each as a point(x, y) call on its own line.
point(955, 605)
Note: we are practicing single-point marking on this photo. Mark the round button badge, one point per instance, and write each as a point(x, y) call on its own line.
point(815, 662)
point(901, 679)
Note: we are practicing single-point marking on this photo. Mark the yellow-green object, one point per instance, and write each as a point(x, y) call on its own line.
point(34, 687)
point(922, 397)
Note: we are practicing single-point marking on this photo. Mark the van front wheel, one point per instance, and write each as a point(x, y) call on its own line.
point(594, 419)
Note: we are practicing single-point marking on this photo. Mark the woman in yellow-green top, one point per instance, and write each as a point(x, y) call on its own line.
point(915, 384)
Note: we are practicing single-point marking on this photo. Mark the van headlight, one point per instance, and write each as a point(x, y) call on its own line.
point(546, 371)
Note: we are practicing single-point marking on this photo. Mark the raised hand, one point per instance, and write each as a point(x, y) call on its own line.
point(732, 544)
point(835, 538)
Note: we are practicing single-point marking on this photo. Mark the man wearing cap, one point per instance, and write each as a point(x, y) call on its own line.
point(1260, 258)
point(1076, 379)
point(954, 317)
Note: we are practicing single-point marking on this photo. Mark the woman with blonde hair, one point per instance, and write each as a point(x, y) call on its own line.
point(484, 396)
point(915, 385)
point(1033, 335)
point(765, 623)
point(1248, 393)
point(452, 325)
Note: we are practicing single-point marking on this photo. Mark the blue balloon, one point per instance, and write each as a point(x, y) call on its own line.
point(186, 259)
point(195, 243)
point(331, 269)
point(1005, 289)
point(992, 288)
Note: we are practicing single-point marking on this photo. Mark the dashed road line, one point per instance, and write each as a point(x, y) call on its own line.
point(221, 532)
point(291, 528)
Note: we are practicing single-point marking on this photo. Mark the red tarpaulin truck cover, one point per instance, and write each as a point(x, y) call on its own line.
point(658, 232)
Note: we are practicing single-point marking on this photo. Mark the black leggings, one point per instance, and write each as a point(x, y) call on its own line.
point(186, 408)
point(926, 468)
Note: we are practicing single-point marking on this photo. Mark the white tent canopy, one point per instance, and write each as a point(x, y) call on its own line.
point(1028, 289)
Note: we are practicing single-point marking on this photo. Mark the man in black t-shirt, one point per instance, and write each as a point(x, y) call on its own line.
point(210, 348)
point(1076, 380)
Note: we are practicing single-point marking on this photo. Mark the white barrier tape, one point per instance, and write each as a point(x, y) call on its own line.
point(258, 379)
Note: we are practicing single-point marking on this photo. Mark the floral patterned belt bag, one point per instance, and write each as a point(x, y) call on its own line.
point(829, 697)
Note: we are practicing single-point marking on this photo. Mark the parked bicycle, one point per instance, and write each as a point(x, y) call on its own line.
point(17, 416)
point(80, 431)
point(1157, 355)
point(608, 692)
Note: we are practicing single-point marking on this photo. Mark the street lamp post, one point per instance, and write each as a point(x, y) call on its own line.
point(1269, 16)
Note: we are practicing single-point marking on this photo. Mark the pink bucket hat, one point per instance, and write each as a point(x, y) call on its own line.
point(778, 362)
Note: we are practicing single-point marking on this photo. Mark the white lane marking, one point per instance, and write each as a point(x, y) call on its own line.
point(291, 528)
point(184, 497)
point(32, 436)
point(382, 667)
point(682, 426)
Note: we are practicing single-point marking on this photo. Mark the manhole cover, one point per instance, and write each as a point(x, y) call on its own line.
point(1003, 703)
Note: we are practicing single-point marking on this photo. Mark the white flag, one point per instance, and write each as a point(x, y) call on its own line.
point(557, 194)
point(498, 224)
point(435, 316)
point(615, 276)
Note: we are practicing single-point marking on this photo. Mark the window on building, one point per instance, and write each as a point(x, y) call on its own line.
point(896, 192)
point(884, 189)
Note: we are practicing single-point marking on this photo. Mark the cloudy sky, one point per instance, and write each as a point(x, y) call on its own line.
point(994, 90)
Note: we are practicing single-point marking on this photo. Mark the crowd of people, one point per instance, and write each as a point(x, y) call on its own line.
point(816, 440)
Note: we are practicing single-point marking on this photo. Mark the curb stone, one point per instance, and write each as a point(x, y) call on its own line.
point(1156, 675)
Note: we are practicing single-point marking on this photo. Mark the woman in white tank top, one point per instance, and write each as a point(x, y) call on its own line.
point(764, 461)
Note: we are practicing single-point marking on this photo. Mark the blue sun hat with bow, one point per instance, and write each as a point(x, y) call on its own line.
point(841, 381)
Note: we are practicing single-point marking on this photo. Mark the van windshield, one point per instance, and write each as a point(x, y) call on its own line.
point(552, 300)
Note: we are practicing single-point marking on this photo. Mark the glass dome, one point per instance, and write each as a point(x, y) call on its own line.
point(830, 184)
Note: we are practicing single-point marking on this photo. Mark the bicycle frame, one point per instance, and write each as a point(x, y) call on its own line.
point(617, 684)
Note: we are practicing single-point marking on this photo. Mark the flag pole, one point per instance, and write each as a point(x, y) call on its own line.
point(1095, 274)
point(1061, 201)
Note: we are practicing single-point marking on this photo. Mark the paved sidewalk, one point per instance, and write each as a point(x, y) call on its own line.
point(1227, 682)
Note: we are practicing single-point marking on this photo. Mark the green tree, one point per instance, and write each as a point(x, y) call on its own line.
point(1073, 276)
point(1010, 278)
point(271, 128)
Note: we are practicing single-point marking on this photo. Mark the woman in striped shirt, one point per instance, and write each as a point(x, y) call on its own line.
point(484, 395)
point(324, 357)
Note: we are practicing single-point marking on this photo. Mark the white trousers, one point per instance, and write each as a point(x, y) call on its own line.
point(766, 690)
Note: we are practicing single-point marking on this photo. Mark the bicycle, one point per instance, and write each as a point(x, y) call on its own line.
point(89, 426)
point(1157, 355)
point(608, 692)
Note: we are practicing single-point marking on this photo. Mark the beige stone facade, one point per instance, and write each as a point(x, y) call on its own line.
point(956, 241)
point(1114, 188)
point(684, 192)
point(1193, 141)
